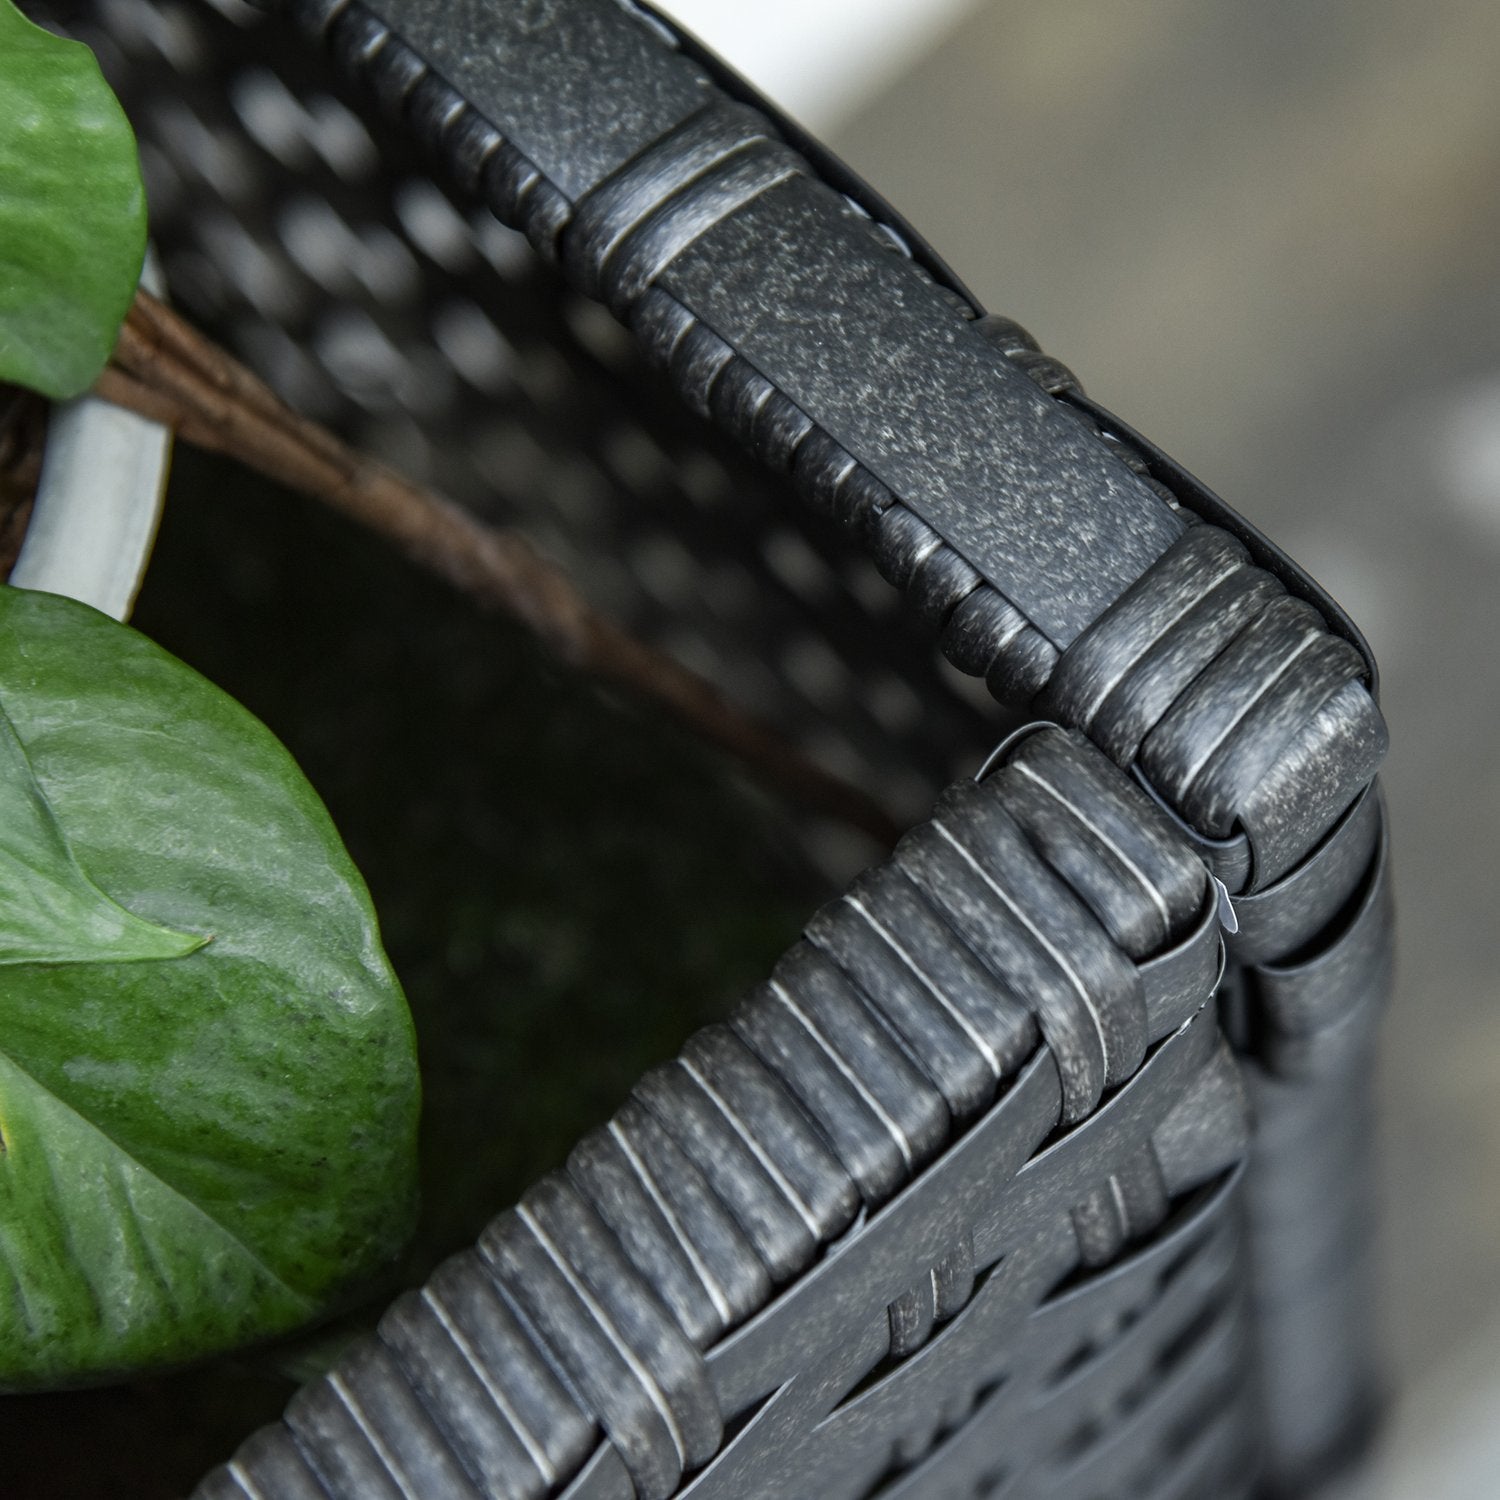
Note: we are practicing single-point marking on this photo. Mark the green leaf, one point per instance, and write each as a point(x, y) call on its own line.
point(50, 911)
point(201, 1150)
point(72, 211)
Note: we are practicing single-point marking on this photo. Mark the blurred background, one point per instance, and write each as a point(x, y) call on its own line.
point(1266, 235)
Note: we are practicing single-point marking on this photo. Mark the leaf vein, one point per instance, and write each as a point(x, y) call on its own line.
point(307, 1303)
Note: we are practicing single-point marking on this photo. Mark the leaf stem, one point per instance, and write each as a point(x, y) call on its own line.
point(23, 427)
point(165, 369)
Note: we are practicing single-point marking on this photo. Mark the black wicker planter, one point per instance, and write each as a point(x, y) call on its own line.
point(965, 1200)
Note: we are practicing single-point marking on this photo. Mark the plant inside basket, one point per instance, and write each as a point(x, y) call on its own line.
point(525, 942)
point(195, 991)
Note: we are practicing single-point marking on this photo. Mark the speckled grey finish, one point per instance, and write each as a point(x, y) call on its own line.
point(887, 1117)
point(931, 408)
point(1318, 1007)
point(1173, 981)
point(459, 1342)
point(708, 168)
point(535, 68)
point(1064, 796)
point(817, 1341)
point(1128, 669)
point(805, 289)
point(332, 1421)
point(1335, 752)
point(1283, 917)
point(604, 1331)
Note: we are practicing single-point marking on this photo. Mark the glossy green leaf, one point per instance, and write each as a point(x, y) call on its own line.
point(198, 1150)
point(50, 911)
point(72, 211)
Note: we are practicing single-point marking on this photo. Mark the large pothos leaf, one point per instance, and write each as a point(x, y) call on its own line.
point(72, 211)
point(50, 911)
point(195, 1150)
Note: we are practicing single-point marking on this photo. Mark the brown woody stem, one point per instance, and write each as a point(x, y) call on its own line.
point(165, 369)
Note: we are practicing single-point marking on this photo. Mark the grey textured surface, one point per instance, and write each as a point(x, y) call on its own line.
point(878, 359)
point(1282, 917)
point(535, 64)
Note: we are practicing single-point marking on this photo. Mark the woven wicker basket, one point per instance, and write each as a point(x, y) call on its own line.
point(963, 1201)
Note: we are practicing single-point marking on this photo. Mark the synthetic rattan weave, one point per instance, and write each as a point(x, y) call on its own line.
point(958, 1203)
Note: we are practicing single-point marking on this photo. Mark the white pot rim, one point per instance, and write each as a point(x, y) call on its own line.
point(98, 502)
point(98, 499)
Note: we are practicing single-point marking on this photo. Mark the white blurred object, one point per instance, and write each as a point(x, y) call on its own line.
point(1466, 425)
point(820, 60)
point(98, 501)
point(1442, 1440)
point(96, 505)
